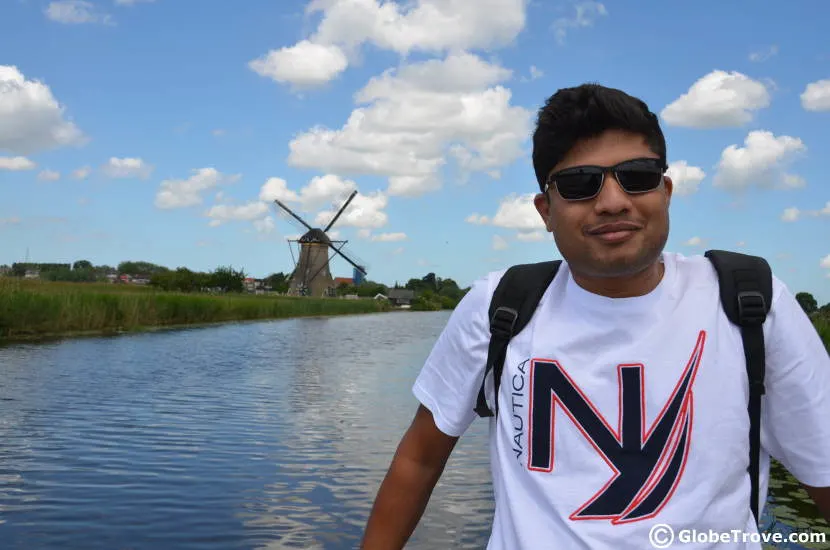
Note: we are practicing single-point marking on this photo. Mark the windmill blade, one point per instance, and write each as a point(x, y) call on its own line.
point(298, 227)
point(291, 212)
point(339, 212)
point(347, 250)
point(359, 267)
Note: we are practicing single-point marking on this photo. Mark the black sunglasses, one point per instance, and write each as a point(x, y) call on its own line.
point(585, 182)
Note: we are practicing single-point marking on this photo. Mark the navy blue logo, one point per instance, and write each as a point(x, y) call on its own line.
point(647, 463)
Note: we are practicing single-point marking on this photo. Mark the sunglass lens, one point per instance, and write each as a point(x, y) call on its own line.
point(578, 186)
point(639, 180)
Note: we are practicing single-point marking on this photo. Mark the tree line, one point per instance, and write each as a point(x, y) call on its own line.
point(430, 291)
point(810, 306)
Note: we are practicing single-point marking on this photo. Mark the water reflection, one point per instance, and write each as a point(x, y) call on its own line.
point(250, 435)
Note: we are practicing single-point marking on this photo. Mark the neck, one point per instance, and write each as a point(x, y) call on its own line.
point(628, 286)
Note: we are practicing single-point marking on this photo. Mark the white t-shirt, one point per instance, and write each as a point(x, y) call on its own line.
point(616, 415)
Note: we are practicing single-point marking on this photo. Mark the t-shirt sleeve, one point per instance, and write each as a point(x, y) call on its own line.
point(449, 381)
point(796, 405)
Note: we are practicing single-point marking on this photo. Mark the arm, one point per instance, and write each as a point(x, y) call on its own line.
point(403, 496)
point(797, 399)
point(821, 496)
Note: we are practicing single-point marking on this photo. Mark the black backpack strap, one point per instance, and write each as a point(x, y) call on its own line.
point(511, 307)
point(746, 295)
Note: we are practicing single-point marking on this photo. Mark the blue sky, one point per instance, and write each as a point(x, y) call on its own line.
point(150, 130)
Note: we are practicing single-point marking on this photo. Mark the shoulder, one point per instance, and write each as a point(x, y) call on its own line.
point(698, 271)
point(476, 302)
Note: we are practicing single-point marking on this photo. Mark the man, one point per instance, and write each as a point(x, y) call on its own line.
point(640, 410)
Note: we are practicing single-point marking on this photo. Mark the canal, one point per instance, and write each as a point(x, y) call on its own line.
point(240, 436)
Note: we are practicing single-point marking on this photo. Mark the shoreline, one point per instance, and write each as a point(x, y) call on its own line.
point(40, 311)
point(46, 337)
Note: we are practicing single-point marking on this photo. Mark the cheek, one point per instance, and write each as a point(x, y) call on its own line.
point(566, 222)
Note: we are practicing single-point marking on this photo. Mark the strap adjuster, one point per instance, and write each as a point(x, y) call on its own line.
point(752, 308)
point(503, 322)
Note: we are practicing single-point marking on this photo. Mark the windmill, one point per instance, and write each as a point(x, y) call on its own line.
point(311, 275)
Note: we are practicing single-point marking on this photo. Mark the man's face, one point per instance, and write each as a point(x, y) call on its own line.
point(580, 227)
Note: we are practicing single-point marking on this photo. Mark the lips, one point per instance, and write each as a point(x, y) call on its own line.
point(614, 228)
point(614, 232)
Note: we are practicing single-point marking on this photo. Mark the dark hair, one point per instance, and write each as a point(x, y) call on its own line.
point(586, 111)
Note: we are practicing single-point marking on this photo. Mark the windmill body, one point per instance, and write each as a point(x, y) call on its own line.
point(311, 275)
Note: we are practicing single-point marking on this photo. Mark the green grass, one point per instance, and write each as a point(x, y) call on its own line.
point(38, 309)
point(822, 324)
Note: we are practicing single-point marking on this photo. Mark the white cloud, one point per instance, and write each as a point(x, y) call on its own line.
point(518, 212)
point(499, 243)
point(763, 55)
point(816, 96)
point(323, 190)
point(175, 193)
point(420, 25)
point(719, 99)
point(49, 175)
point(536, 73)
point(762, 162)
point(403, 27)
point(276, 188)
point(794, 214)
point(81, 173)
point(694, 241)
point(131, 2)
point(389, 237)
point(413, 118)
point(741, 244)
point(304, 65)
point(790, 214)
point(127, 168)
point(477, 219)
point(586, 14)
point(16, 164)
point(31, 120)
point(10, 221)
point(222, 213)
point(265, 225)
point(825, 262)
point(686, 178)
point(76, 12)
point(532, 236)
point(365, 211)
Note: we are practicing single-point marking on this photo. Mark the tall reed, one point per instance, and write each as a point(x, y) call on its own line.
point(29, 308)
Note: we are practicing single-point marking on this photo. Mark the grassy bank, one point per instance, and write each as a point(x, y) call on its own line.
point(35, 309)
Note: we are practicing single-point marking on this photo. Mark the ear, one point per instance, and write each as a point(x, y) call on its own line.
point(668, 185)
point(542, 203)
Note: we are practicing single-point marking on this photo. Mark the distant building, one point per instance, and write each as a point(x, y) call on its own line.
point(401, 296)
point(32, 274)
point(358, 277)
point(342, 281)
point(254, 285)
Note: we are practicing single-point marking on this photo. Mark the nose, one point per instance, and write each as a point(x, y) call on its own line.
point(612, 198)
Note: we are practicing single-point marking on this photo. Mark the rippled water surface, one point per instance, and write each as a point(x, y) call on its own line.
point(252, 435)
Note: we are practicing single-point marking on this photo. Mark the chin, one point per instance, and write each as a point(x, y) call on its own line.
point(621, 261)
